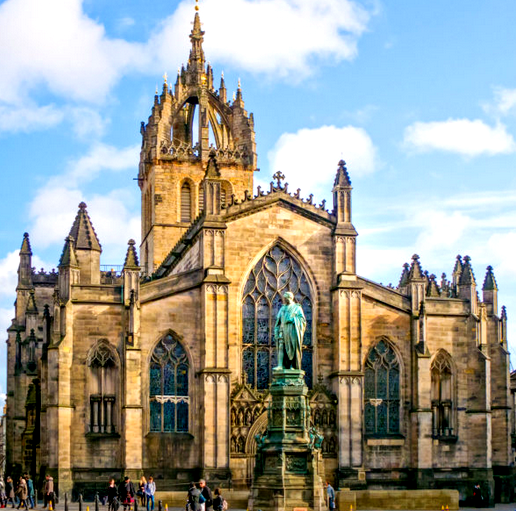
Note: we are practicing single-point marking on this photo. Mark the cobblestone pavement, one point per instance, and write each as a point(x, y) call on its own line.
point(90, 506)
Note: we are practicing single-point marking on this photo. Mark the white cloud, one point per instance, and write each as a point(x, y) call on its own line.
point(296, 32)
point(309, 157)
point(462, 136)
point(29, 118)
point(102, 157)
point(54, 207)
point(54, 43)
point(87, 123)
point(504, 102)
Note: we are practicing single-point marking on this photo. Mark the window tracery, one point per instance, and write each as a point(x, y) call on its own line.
point(274, 274)
point(382, 391)
point(442, 396)
point(169, 399)
point(102, 362)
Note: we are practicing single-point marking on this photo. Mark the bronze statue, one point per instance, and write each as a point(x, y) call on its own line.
point(289, 331)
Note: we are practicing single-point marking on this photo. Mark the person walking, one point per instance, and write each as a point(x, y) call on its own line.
point(30, 490)
point(141, 490)
point(126, 491)
point(219, 502)
point(9, 491)
point(112, 495)
point(49, 492)
point(330, 493)
point(206, 493)
point(194, 494)
point(150, 490)
point(22, 493)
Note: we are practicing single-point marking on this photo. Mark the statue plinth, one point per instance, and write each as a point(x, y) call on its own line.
point(288, 457)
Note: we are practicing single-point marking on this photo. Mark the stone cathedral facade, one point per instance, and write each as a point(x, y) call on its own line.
point(164, 366)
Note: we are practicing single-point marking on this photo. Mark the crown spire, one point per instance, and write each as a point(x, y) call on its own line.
point(196, 61)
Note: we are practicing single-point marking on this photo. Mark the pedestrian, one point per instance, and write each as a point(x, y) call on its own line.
point(219, 502)
point(111, 494)
point(126, 492)
point(2, 493)
point(9, 491)
point(150, 490)
point(330, 493)
point(49, 492)
point(141, 490)
point(194, 494)
point(30, 489)
point(22, 493)
point(206, 493)
point(478, 498)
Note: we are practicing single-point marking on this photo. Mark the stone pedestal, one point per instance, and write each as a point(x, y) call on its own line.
point(288, 458)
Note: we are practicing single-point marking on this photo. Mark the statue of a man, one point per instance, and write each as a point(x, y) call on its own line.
point(289, 331)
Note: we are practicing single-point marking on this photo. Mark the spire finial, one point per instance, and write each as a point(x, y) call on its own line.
point(342, 177)
point(239, 84)
point(165, 77)
point(196, 5)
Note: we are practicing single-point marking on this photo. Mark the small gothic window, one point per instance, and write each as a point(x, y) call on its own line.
point(275, 273)
point(442, 395)
point(186, 203)
point(103, 384)
point(169, 400)
point(382, 391)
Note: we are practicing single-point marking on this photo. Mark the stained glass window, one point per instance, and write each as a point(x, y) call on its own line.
point(382, 391)
point(276, 273)
point(169, 399)
point(442, 395)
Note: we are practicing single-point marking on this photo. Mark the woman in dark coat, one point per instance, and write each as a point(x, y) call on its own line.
point(112, 494)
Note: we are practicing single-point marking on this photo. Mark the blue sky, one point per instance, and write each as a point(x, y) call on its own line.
point(418, 97)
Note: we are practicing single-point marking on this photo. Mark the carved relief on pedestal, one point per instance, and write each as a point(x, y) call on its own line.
point(249, 417)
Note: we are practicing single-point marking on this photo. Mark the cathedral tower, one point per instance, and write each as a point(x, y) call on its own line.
point(187, 123)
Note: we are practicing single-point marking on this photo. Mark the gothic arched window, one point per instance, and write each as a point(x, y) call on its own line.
point(186, 202)
point(103, 383)
point(442, 395)
point(169, 399)
point(382, 391)
point(275, 273)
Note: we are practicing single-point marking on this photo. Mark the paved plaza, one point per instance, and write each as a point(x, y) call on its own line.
point(89, 506)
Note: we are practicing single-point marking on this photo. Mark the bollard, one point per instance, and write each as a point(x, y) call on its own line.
point(136, 504)
point(66, 501)
point(166, 507)
point(96, 500)
point(160, 505)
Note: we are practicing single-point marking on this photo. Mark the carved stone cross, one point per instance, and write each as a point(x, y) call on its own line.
point(279, 177)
